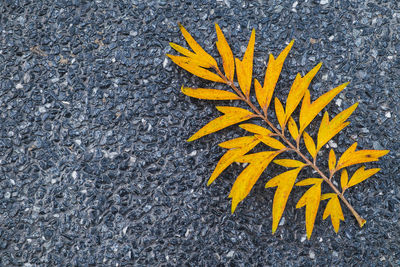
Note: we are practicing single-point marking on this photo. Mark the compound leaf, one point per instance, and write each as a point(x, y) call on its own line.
point(333, 209)
point(244, 68)
point(232, 115)
point(360, 175)
point(310, 199)
point(274, 68)
point(237, 148)
point(284, 182)
point(258, 162)
point(226, 54)
point(209, 94)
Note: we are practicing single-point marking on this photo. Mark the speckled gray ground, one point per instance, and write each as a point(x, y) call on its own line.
point(94, 169)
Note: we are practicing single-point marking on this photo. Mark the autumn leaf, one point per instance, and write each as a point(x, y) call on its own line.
point(309, 110)
point(264, 93)
point(333, 209)
point(193, 67)
point(198, 62)
point(244, 67)
point(226, 54)
point(237, 148)
point(310, 145)
point(361, 175)
point(310, 199)
point(209, 94)
point(328, 129)
point(258, 162)
point(232, 115)
point(296, 93)
point(352, 157)
point(284, 183)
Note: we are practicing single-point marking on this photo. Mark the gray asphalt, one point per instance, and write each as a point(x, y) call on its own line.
point(94, 167)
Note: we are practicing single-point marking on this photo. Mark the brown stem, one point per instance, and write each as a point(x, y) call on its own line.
point(359, 219)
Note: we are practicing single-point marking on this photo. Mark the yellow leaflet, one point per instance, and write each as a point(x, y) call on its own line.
point(310, 199)
point(192, 66)
point(258, 162)
point(280, 113)
point(238, 147)
point(232, 115)
point(226, 53)
point(264, 93)
point(289, 163)
point(209, 94)
point(352, 157)
point(292, 126)
point(310, 145)
point(271, 142)
point(284, 182)
point(328, 129)
point(344, 179)
point(244, 68)
point(333, 209)
point(253, 128)
point(361, 174)
point(197, 48)
point(309, 110)
point(299, 87)
point(332, 161)
point(195, 58)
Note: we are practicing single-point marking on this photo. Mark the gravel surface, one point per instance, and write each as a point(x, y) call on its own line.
point(94, 167)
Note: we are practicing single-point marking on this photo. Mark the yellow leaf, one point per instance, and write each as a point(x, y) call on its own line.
point(209, 94)
point(253, 128)
point(360, 175)
point(333, 209)
point(244, 68)
point(269, 141)
point(226, 54)
point(292, 126)
point(299, 87)
point(310, 199)
point(232, 115)
point(328, 129)
point(309, 110)
point(332, 161)
point(197, 48)
point(193, 67)
point(264, 93)
point(289, 163)
point(237, 148)
point(195, 58)
point(284, 182)
point(352, 157)
point(280, 113)
point(258, 162)
point(344, 179)
point(310, 145)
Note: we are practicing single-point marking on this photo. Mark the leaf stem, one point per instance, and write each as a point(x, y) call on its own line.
point(359, 219)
